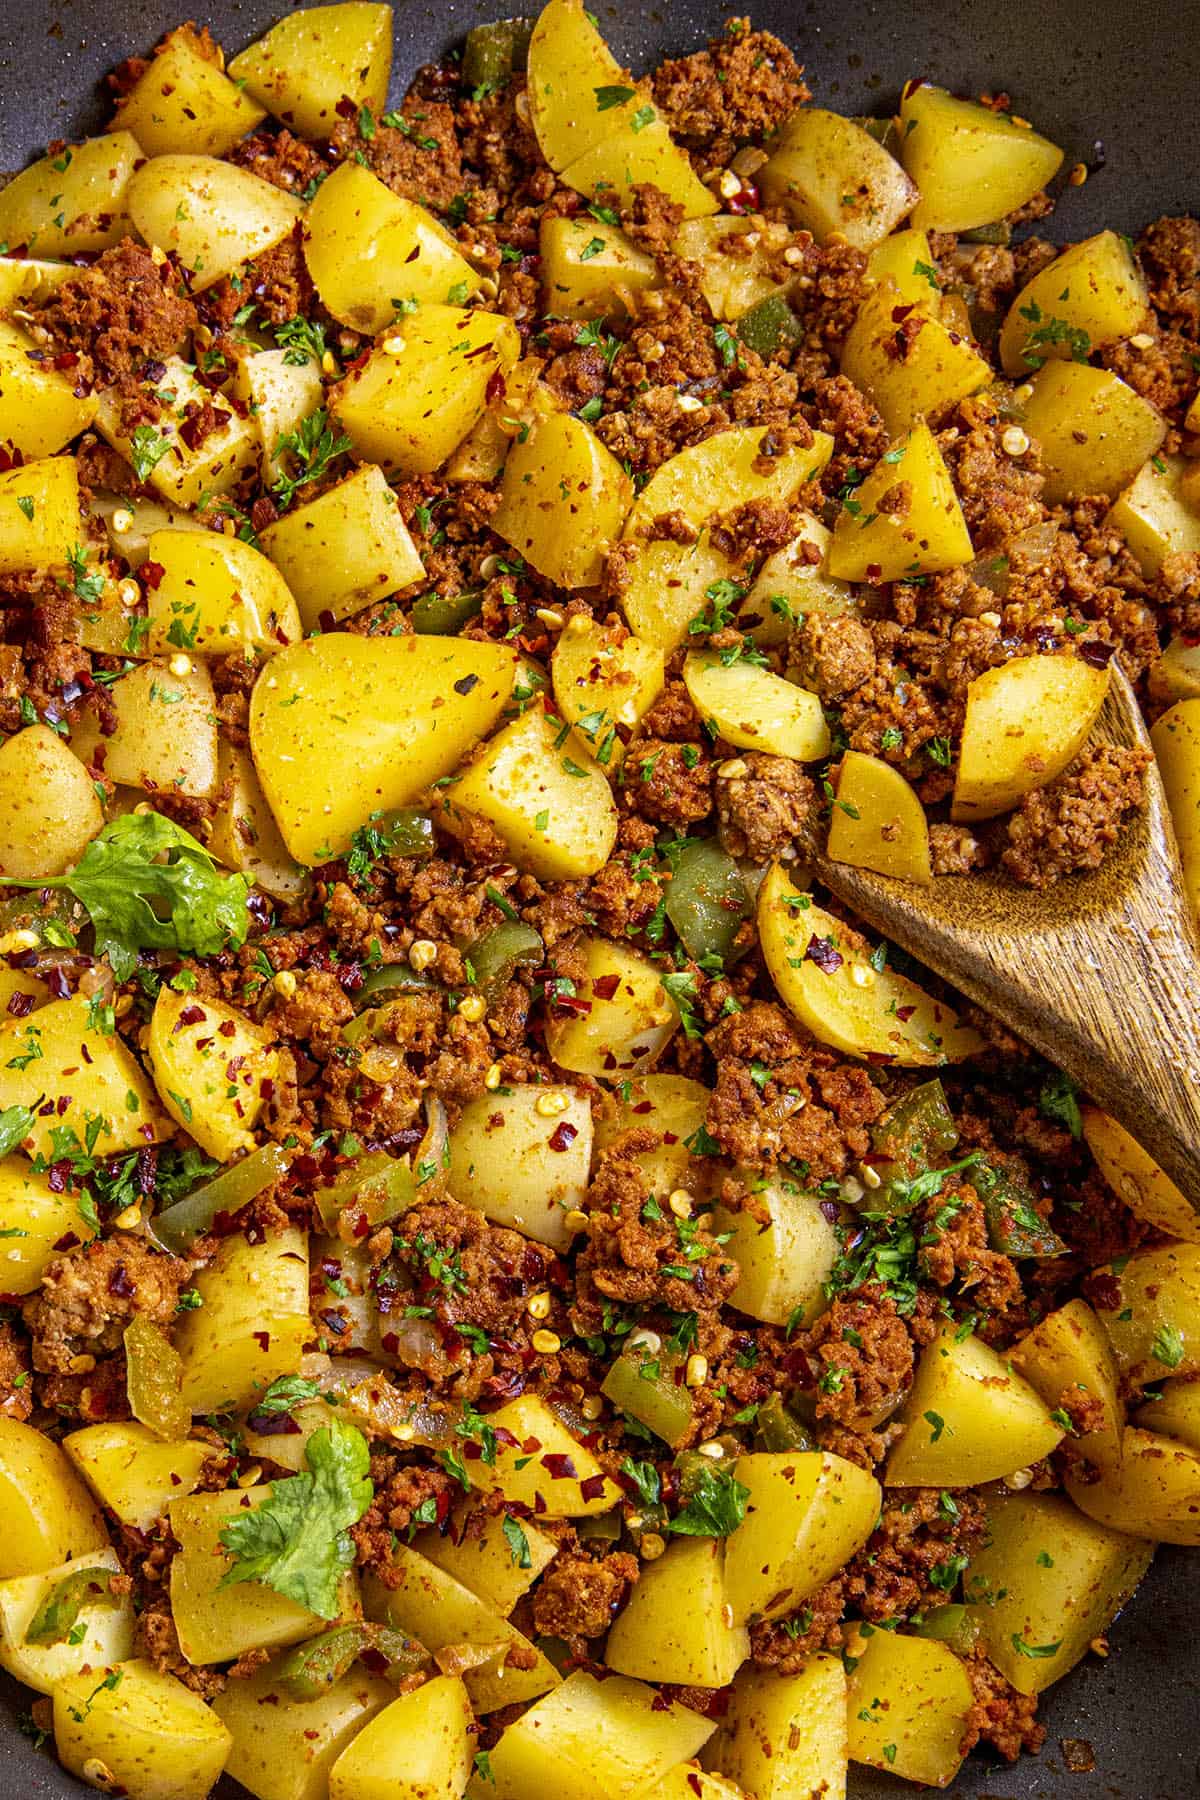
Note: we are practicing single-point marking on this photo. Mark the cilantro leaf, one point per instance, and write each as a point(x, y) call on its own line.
point(1059, 1100)
point(1168, 1346)
point(518, 1543)
point(314, 447)
point(298, 1541)
point(1033, 1650)
point(645, 1478)
point(16, 1122)
point(716, 1506)
point(287, 1392)
point(608, 97)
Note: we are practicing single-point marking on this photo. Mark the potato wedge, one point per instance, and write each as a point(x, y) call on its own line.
point(1175, 1413)
point(939, 366)
point(1153, 1321)
point(184, 101)
point(253, 1324)
point(1176, 740)
point(244, 834)
point(1068, 1350)
point(971, 164)
point(132, 1472)
point(279, 392)
point(345, 550)
point(928, 535)
point(90, 1073)
point(908, 1702)
point(33, 1220)
point(100, 1634)
point(181, 474)
point(1091, 296)
point(791, 584)
point(39, 515)
point(756, 709)
point(906, 259)
point(1154, 515)
point(675, 1625)
point(316, 57)
point(212, 214)
point(640, 149)
point(969, 1418)
point(217, 596)
point(603, 677)
point(166, 730)
point(1095, 432)
point(39, 410)
point(49, 1516)
point(417, 1748)
point(534, 1469)
point(831, 176)
point(153, 1738)
point(785, 1249)
point(1136, 1178)
point(1026, 720)
point(877, 821)
point(783, 1736)
point(587, 267)
point(1176, 674)
point(521, 1158)
point(577, 88)
point(1154, 1494)
point(51, 837)
point(73, 200)
point(808, 1513)
point(476, 1551)
point(213, 1068)
point(731, 284)
point(563, 501)
point(688, 1781)
point(630, 1019)
point(284, 1748)
point(673, 1107)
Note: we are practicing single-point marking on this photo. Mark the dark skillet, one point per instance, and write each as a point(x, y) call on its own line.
point(1117, 86)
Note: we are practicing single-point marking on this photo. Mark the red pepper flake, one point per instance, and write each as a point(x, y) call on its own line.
point(390, 1342)
point(262, 1339)
point(559, 1467)
point(362, 1226)
point(591, 1487)
point(531, 1446)
point(273, 1425)
point(874, 572)
point(20, 1004)
point(564, 1135)
point(151, 573)
point(1096, 652)
point(227, 1028)
point(693, 1782)
point(605, 986)
point(821, 951)
point(905, 1013)
point(56, 981)
point(192, 1015)
point(660, 1703)
point(68, 1241)
point(373, 1661)
point(495, 389)
point(539, 1505)
point(643, 1106)
point(120, 1284)
point(900, 313)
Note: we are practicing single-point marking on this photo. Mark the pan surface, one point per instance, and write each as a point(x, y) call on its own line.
point(1118, 89)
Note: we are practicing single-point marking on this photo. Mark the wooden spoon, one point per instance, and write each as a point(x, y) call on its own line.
point(1101, 972)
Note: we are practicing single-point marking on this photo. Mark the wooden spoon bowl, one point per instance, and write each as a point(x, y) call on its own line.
point(1100, 973)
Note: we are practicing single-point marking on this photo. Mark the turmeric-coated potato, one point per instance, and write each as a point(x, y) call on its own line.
point(1176, 741)
point(149, 1735)
point(344, 550)
point(588, 266)
point(1151, 1311)
point(183, 469)
point(782, 1737)
point(640, 150)
point(316, 57)
point(908, 1703)
point(970, 1418)
point(1067, 1356)
point(604, 676)
point(791, 584)
point(1154, 1493)
point(478, 1552)
point(521, 1158)
point(1026, 721)
point(563, 501)
point(831, 176)
point(47, 838)
point(252, 1324)
point(918, 530)
point(754, 708)
point(972, 164)
point(731, 284)
point(784, 1248)
point(418, 1748)
point(39, 409)
point(132, 1472)
point(183, 100)
point(279, 389)
point(533, 1464)
point(72, 200)
point(33, 1220)
point(1136, 1179)
point(676, 1625)
point(578, 91)
point(673, 1107)
point(906, 259)
point(808, 1513)
point(213, 1067)
point(1095, 432)
point(39, 515)
point(99, 1633)
point(217, 596)
point(166, 730)
point(91, 1074)
point(1173, 1411)
point(49, 1516)
point(939, 367)
point(244, 834)
point(628, 1019)
point(285, 1748)
point(1091, 296)
point(877, 821)
point(213, 215)
point(1156, 517)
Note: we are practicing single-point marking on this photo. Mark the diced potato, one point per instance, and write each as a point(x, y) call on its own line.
point(522, 1159)
point(283, 1748)
point(603, 677)
point(908, 1703)
point(887, 1017)
point(183, 101)
point(181, 474)
point(253, 1324)
point(906, 259)
point(200, 1050)
point(368, 248)
point(1153, 1320)
point(594, 1740)
point(1136, 1178)
point(784, 1248)
point(1091, 296)
point(1095, 432)
point(588, 267)
point(39, 515)
point(428, 1604)
point(244, 834)
point(33, 1218)
point(808, 1513)
point(563, 501)
point(639, 152)
point(1176, 740)
point(1068, 1349)
point(91, 1071)
point(577, 88)
point(131, 523)
point(673, 1106)
point(1176, 674)
point(877, 821)
point(478, 1554)
point(1047, 1583)
point(688, 1781)
point(39, 411)
point(152, 1737)
point(1175, 1413)
point(1153, 516)
point(390, 742)
point(344, 550)
point(316, 57)
point(513, 403)
point(970, 1418)
point(420, 392)
point(279, 392)
point(549, 1453)
point(791, 584)
point(53, 836)
point(783, 1737)
point(549, 802)
point(630, 1018)
point(831, 176)
point(1026, 720)
point(289, 1451)
point(217, 596)
point(1155, 1493)
point(73, 200)
point(674, 1626)
point(930, 534)
point(731, 283)
point(418, 1748)
point(106, 1621)
point(937, 369)
point(971, 164)
point(49, 1516)
point(166, 731)
point(132, 1472)
point(213, 215)
point(756, 709)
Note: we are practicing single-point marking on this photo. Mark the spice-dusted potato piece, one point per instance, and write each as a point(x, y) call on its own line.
point(908, 1703)
point(406, 711)
point(1151, 1312)
point(39, 515)
point(522, 1158)
point(1095, 432)
point(477, 1552)
point(1026, 720)
point(791, 584)
point(731, 284)
point(161, 454)
point(640, 150)
point(512, 405)
point(153, 1738)
point(675, 1626)
point(927, 534)
point(49, 1516)
point(99, 1634)
point(1155, 1493)
point(33, 1219)
point(1046, 1584)
point(39, 410)
point(588, 266)
point(785, 1249)
point(1092, 295)
point(577, 89)
point(674, 1107)
point(279, 392)
point(184, 101)
point(1174, 1412)
point(1069, 1350)
point(549, 801)
point(284, 1748)
point(628, 1020)
point(316, 57)
point(594, 1740)
point(73, 200)
point(834, 996)
point(253, 1324)
point(783, 1736)
point(344, 550)
point(47, 838)
point(938, 366)
point(756, 709)
point(1176, 740)
point(418, 1748)
point(830, 175)
point(217, 596)
point(91, 1074)
point(603, 677)
point(1176, 674)
point(563, 500)
point(213, 215)
point(213, 1067)
point(906, 259)
point(132, 1472)
point(969, 1418)
point(534, 1462)
point(244, 834)
point(424, 386)
point(367, 249)
point(971, 164)
point(688, 1781)
point(166, 730)
point(1136, 1178)
point(1155, 516)
point(877, 821)
point(808, 1513)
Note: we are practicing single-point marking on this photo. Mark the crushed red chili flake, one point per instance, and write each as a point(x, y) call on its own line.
point(558, 1466)
point(820, 951)
point(563, 1136)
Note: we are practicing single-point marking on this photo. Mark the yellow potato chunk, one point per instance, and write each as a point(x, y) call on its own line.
point(603, 677)
point(938, 366)
point(906, 259)
point(907, 1706)
point(549, 802)
point(476, 1552)
point(132, 1472)
point(563, 501)
point(1153, 515)
point(969, 1418)
point(101, 1634)
point(217, 596)
point(825, 988)
point(831, 176)
point(244, 834)
point(731, 282)
point(367, 249)
point(688, 1781)
point(284, 1748)
point(184, 101)
point(316, 57)
point(390, 742)
point(253, 1324)
point(1176, 674)
point(1154, 1493)
point(784, 1248)
point(73, 200)
point(784, 1736)
point(1153, 1322)
point(1095, 432)
point(630, 1020)
point(279, 395)
point(56, 1052)
point(182, 475)
point(1046, 1584)
point(756, 709)
point(640, 149)
point(212, 214)
point(522, 1159)
point(791, 584)
point(548, 1452)
point(213, 1072)
point(1175, 1413)
point(808, 1513)
point(930, 534)
point(344, 550)
point(877, 821)
point(51, 837)
point(674, 1626)
point(39, 515)
point(1026, 720)
point(418, 1748)
point(166, 730)
point(588, 267)
point(39, 411)
point(422, 389)
point(33, 1218)
point(674, 1108)
point(153, 1738)
point(1069, 1350)
point(1136, 1178)
point(49, 1516)
point(972, 165)
point(1176, 740)
point(1091, 296)
point(513, 404)
point(577, 89)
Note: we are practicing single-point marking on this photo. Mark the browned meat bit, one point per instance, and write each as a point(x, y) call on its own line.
point(866, 1355)
point(672, 1262)
point(742, 87)
point(954, 850)
point(418, 158)
point(1170, 255)
point(916, 1553)
point(955, 1251)
point(578, 1597)
point(314, 1014)
point(285, 161)
point(1000, 1716)
point(16, 1389)
point(89, 1295)
point(156, 1639)
point(671, 783)
point(399, 1491)
point(832, 654)
point(469, 1271)
point(764, 804)
point(113, 318)
point(1071, 823)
